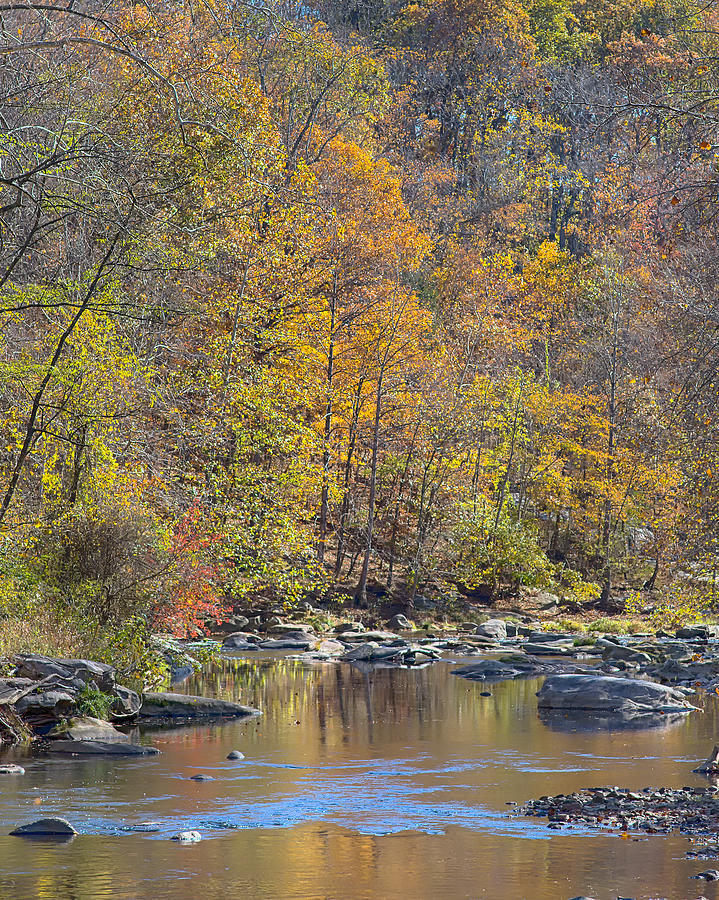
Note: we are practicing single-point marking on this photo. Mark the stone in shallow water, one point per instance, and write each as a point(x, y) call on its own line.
point(235, 754)
point(494, 628)
point(608, 694)
point(201, 778)
point(86, 728)
point(185, 706)
point(49, 826)
point(11, 769)
point(101, 748)
point(187, 837)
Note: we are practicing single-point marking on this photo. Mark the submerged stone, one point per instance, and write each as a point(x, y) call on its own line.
point(50, 826)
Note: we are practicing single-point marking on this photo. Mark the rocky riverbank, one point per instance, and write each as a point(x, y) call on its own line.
point(689, 810)
point(51, 701)
point(687, 657)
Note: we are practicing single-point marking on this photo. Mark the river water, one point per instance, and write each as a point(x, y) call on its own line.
point(385, 783)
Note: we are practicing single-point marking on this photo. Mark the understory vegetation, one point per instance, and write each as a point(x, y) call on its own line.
point(357, 301)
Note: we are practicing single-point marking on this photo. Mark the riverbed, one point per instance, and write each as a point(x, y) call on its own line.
point(356, 783)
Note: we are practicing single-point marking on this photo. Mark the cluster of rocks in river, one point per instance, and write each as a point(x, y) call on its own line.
point(689, 810)
point(42, 699)
point(688, 657)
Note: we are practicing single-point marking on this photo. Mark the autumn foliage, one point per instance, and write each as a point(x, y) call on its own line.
point(361, 299)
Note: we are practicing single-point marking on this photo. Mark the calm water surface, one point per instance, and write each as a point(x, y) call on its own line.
point(388, 783)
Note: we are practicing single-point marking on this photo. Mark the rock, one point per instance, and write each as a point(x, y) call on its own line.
point(127, 703)
point(349, 626)
point(231, 624)
point(372, 652)
point(201, 778)
point(291, 628)
point(330, 647)
point(11, 769)
point(711, 765)
point(101, 748)
point(85, 728)
point(297, 640)
point(494, 628)
point(488, 670)
point(545, 600)
point(36, 667)
point(240, 641)
point(709, 875)
point(144, 827)
point(357, 637)
point(698, 632)
point(553, 648)
point(548, 637)
point(53, 704)
point(49, 826)
point(626, 654)
point(187, 837)
point(169, 706)
point(235, 754)
point(608, 694)
point(400, 623)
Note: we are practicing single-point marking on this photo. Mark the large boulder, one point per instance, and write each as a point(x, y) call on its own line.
point(400, 623)
point(86, 728)
point(47, 705)
point(371, 651)
point(607, 694)
point(85, 671)
point(185, 706)
point(101, 748)
point(284, 628)
point(698, 632)
point(494, 628)
point(51, 826)
point(294, 640)
point(127, 703)
point(241, 640)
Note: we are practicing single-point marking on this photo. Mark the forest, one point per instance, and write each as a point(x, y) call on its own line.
point(354, 300)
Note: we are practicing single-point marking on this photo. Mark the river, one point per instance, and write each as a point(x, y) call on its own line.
point(382, 783)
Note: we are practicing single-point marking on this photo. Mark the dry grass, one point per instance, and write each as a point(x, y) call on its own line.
point(38, 633)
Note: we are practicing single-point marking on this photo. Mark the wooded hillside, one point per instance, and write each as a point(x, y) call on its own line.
point(305, 302)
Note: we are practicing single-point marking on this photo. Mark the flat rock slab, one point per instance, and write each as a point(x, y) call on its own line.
point(85, 728)
point(609, 694)
point(186, 706)
point(52, 826)
point(101, 748)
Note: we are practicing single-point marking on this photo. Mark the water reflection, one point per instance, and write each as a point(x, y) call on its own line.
point(355, 783)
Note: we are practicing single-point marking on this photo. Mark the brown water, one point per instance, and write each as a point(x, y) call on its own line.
point(389, 783)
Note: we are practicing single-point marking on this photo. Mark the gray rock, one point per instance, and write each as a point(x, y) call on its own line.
point(488, 670)
point(626, 654)
point(58, 704)
point(357, 637)
point(49, 826)
point(698, 631)
point(11, 769)
point(607, 694)
point(101, 748)
point(201, 778)
point(293, 641)
point(127, 703)
point(285, 628)
point(709, 875)
point(330, 647)
point(169, 706)
point(232, 624)
point(349, 626)
point(36, 667)
point(400, 623)
point(494, 628)
point(239, 641)
point(372, 652)
point(187, 837)
point(85, 728)
point(235, 754)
